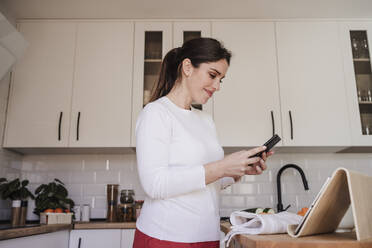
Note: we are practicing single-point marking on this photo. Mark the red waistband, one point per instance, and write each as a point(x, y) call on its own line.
point(142, 240)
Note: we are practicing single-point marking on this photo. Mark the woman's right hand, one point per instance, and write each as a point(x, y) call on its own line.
point(238, 164)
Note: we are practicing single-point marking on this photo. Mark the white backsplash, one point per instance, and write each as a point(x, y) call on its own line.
point(86, 177)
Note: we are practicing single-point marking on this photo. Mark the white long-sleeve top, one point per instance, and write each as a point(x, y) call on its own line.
point(173, 145)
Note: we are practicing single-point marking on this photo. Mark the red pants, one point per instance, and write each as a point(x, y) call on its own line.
point(142, 240)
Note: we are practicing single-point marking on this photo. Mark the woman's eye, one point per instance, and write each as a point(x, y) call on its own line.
point(212, 76)
point(221, 81)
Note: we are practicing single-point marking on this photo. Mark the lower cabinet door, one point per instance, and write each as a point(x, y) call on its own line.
point(127, 237)
point(47, 240)
point(97, 238)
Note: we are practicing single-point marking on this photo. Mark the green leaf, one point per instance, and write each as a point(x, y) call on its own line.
point(40, 188)
point(61, 191)
point(57, 180)
point(24, 183)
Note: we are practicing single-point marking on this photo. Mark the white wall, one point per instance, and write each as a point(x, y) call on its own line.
point(6, 12)
point(190, 9)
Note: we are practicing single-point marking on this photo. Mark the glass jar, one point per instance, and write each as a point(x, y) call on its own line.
point(126, 212)
point(127, 196)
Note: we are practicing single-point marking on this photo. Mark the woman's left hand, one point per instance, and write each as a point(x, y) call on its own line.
point(260, 166)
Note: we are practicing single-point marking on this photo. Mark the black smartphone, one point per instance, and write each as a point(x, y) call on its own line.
point(269, 144)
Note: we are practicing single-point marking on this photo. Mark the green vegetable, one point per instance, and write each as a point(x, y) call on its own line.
point(260, 210)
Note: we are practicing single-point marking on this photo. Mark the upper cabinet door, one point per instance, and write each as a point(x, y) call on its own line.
point(185, 31)
point(101, 102)
point(152, 41)
point(312, 88)
point(247, 108)
point(356, 42)
point(40, 95)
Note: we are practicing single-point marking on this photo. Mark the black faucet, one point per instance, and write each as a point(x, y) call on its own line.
point(280, 205)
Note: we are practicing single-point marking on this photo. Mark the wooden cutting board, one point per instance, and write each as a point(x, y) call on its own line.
point(345, 187)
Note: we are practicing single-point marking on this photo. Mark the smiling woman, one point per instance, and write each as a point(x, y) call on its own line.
point(181, 164)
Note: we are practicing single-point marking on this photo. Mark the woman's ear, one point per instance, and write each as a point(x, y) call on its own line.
point(187, 67)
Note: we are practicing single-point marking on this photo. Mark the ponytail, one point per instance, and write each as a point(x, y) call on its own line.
point(169, 72)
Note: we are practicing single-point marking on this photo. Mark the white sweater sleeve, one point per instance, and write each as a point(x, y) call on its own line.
point(158, 179)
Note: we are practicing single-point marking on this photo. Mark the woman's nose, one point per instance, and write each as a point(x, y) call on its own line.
point(217, 85)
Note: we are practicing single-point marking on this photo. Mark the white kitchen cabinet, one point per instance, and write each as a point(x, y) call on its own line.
point(73, 88)
point(184, 31)
point(40, 95)
point(96, 238)
point(356, 40)
point(152, 40)
point(247, 107)
point(102, 90)
point(312, 87)
point(58, 239)
point(127, 238)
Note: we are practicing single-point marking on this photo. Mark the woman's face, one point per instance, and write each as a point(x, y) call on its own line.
point(203, 81)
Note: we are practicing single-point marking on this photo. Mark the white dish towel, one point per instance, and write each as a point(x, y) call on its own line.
point(250, 223)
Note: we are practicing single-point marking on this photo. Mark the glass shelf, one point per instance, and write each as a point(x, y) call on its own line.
point(152, 62)
point(361, 60)
point(363, 76)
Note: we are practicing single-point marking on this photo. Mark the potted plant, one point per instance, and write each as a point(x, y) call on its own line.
point(16, 191)
point(52, 197)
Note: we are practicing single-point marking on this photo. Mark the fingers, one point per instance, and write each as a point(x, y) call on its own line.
point(270, 153)
point(264, 156)
point(256, 150)
point(253, 170)
point(252, 160)
point(263, 164)
point(258, 170)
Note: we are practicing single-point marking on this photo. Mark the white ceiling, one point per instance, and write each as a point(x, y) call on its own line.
point(188, 8)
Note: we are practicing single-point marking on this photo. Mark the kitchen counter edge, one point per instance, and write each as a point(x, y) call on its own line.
point(34, 230)
point(104, 225)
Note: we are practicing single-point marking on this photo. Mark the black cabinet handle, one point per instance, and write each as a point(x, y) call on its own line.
point(79, 243)
point(273, 122)
point(78, 127)
point(290, 119)
point(59, 125)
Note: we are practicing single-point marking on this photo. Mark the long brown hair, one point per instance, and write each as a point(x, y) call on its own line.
point(200, 50)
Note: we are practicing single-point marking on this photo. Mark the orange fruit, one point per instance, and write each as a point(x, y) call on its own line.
point(303, 211)
point(58, 210)
point(49, 210)
point(67, 210)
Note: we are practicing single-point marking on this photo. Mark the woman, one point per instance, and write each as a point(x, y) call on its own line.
point(180, 161)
